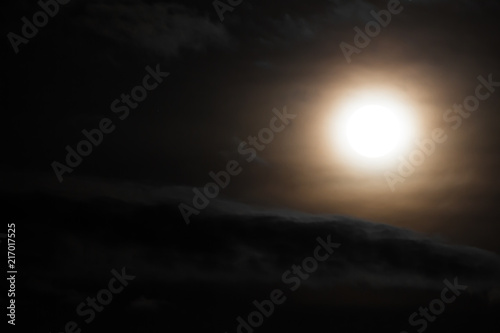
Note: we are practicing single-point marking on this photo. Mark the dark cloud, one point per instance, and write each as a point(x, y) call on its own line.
point(375, 254)
point(352, 11)
point(287, 29)
point(230, 249)
point(162, 28)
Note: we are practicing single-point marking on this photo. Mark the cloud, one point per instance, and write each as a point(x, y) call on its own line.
point(235, 242)
point(230, 255)
point(162, 28)
point(357, 10)
point(296, 27)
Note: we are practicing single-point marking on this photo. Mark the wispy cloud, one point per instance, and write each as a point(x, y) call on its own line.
point(162, 28)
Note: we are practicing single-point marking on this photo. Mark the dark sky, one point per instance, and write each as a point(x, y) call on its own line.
point(212, 85)
point(226, 78)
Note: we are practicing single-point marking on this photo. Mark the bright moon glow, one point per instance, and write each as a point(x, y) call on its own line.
point(371, 128)
point(374, 131)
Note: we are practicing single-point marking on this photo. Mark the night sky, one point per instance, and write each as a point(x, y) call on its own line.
point(118, 113)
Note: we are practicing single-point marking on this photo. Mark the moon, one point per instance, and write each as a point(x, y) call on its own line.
point(374, 131)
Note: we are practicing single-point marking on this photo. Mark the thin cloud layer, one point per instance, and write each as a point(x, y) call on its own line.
point(163, 28)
